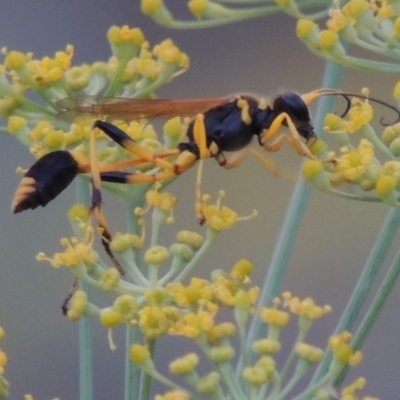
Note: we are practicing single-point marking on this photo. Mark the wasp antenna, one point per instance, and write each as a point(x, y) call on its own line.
point(348, 96)
point(45, 180)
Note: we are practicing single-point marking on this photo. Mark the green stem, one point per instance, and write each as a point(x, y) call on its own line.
point(291, 225)
point(211, 236)
point(374, 310)
point(132, 372)
point(84, 326)
point(362, 289)
point(146, 379)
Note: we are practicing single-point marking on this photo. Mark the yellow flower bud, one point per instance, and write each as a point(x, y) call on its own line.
point(208, 384)
point(173, 395)
point(126, 306)
point(78, 212)
point(109, 279)
point(173, 127)
point(77, 78)
point(355, 359)
point(328, 39)
point(242, 269)
point(261, 373)
point(139, 354)
point(304, 27)
point(123, 241)
point(3, 361)
point(77, 306)
point(15, 60)
point(396, 26)
point(117, 35)
point(273, 316)
point(156, 255)
point(184, 365)
point(385, 185)
point(266, 346)
point(183, 251)
point(311, 168)
point(221, 354)
point(110, 318)
point(197, 7)
point(310, 353)
point(355, 7)
point(2, 333)
point(15, 124)
point(221, 331)
point(390, 133)
point(151, 6)
point(192, 239)
point(54, 140)
point(332, 122)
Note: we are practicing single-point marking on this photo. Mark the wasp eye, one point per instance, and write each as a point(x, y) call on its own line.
point(292, 104)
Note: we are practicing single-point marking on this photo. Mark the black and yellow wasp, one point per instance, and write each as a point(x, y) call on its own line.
point(219, 126)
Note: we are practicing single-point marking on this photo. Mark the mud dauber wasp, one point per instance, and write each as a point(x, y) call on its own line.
point(219, 126)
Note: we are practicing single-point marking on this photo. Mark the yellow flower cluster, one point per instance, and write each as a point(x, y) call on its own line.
point(342, 351)
point(371, 164)
point(134, 70)
point(349, 22)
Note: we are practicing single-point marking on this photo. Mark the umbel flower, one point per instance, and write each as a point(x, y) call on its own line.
point(134, 70)
point(150, 296)
point(371, 165)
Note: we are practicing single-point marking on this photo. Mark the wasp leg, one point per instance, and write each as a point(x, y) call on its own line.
point(185, 161)
point(199, 194)
point(46, 179)
point(200, 136)
point(97, 203)
point(72, 290)
point(294, 140)
point(233, 161)
point(121, 165)
point(264, 160)
point(121, 138)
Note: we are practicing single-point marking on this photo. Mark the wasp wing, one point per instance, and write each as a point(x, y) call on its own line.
point(129, 109)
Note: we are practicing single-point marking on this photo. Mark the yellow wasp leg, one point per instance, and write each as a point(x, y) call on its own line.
point(121, 165)
point(294, 140)
point(233, 161)
point(121, 138)
point(185, 161)
point(200, 136)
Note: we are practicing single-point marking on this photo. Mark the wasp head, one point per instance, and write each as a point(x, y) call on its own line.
point(293, 105)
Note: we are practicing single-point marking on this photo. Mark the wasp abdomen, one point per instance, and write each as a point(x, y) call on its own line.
point(45, 180)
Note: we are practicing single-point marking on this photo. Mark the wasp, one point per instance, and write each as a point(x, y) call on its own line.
point(219, 126)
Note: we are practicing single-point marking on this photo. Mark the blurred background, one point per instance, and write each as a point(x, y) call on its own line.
point(259, 56)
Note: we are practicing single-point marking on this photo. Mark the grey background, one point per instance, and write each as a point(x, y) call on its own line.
point(260, 56)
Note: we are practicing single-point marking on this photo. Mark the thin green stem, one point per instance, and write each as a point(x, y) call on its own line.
point(290, 359)
point(84, 325)
point(146, 379)
point(301, 370)
point(291, 225)
point(132, 372)
point(374, 310)
point(211, 236)
point(363, 286)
